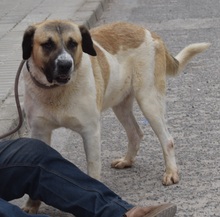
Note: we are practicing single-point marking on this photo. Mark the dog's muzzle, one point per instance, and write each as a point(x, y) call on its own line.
point(64, 67)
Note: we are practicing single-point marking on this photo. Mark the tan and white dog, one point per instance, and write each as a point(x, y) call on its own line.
point(72, 75)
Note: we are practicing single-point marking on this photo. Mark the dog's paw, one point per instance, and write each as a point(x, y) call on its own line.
point(30, 210)
point(121, 163)
point(31, 206)
point(170, 178)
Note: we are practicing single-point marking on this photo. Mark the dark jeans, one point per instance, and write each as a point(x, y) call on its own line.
point(29, 166)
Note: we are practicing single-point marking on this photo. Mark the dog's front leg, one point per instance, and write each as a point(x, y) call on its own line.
point(32, 206)
point(42, 134)
point(91, 140)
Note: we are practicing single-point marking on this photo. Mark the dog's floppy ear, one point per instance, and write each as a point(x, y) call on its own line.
point(27, 42)
point(87, 44)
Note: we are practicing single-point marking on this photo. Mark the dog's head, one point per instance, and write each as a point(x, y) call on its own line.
point(56, 48)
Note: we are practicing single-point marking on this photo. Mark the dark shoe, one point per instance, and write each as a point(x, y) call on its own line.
point(164, 210)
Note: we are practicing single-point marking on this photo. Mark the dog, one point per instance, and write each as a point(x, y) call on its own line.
point(73, 74)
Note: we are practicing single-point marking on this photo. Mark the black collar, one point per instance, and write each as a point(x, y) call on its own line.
point(36, 82)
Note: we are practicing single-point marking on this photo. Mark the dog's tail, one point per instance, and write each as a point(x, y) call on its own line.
point(177, 63)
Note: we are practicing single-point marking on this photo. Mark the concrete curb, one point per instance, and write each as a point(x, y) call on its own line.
point(88, 14)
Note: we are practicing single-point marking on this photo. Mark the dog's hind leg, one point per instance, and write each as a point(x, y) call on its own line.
point(124, 113)
point(152, 105)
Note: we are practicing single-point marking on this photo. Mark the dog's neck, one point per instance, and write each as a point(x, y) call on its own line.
point(36, 82)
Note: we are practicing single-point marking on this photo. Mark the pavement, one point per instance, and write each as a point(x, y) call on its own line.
point(15, 17)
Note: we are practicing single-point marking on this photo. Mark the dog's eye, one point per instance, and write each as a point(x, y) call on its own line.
point(71, 44)
point(49, 45)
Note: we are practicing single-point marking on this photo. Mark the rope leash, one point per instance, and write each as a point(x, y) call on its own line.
point(17, 102)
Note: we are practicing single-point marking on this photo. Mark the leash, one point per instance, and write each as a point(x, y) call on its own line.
point(17, 102)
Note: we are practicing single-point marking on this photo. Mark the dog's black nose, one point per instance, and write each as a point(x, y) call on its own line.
point(64, 66)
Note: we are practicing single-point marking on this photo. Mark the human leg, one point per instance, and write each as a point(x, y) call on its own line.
point(32, 167)
point(43, 174)
point(163, 210)
point(9, 210)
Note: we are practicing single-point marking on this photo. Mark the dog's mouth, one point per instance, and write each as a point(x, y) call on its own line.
point(62, 79)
